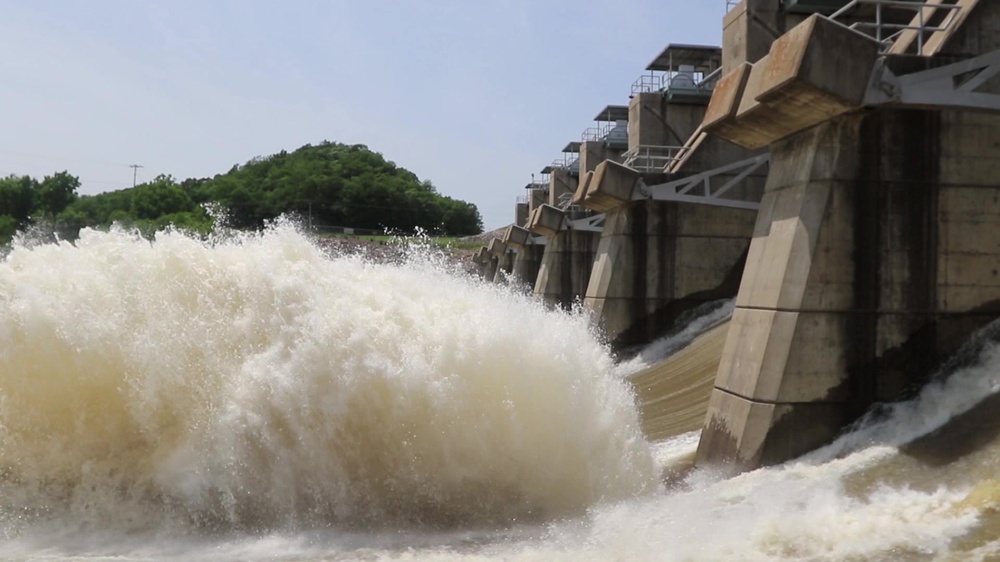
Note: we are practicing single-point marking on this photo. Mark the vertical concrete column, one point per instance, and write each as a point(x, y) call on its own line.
point(505, 265)
point(593, 153)
point(490, 267)
point(536, 198)
point(653, 121)
point(749, 29)
point(561, 183)
point(656, 260)
point(565, 268)
point(526, 264)
point(783, 384)
point(520, 214)
point(874, 257)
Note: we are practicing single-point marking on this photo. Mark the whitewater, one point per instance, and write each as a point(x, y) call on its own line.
point(249, 397)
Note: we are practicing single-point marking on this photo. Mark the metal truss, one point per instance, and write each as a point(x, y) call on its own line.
point(698, 188)
point(593, 223)
point(537, 240)
point(951, 86)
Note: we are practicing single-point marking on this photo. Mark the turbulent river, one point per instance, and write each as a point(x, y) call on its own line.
point(252, 398)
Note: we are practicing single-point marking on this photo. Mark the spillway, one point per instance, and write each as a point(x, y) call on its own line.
point(251, 398)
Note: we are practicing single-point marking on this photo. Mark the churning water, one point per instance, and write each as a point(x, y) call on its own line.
point(251, 398)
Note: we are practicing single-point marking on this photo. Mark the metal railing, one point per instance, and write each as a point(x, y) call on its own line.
point(610, 133)
point(652, 158)
point(565, 163)
point(522, 200)
point(676, 82)
point(597, 133)
point(730, 4)
point(887, 33)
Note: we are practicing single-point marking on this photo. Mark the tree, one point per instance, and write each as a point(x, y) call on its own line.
point(162, 196)
point(331, 183)
point(56, 192)
point(17, 198)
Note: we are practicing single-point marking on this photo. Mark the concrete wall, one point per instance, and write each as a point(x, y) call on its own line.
point(520, 214)
point(655, 122)
point(874, 257)
point(505, 266)
point(657, 260)
point(561, 183)
point(593, 153)
point(526, 264)
point(749, 28)
point(536, 198)
point(565, 269)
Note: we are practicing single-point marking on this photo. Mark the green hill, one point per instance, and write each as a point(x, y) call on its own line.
point(330, 184)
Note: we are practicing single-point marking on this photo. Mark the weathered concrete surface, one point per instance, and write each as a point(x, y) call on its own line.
point(720, 117)
point(527, 257)
point(496, 247)
point(527, 262)
point(561, 183)
point(505, 266)
point(654, 121)
point(593, 153)
point(874, 256)
point(565, 268)
point(521, 214)
point(536, 198)
point(749, 28)
point(657, 260)
point(516, 236)
point(581, 190)
point(547, 220)
point(480, 258)
point(747, 32)
point(816, 71)
point(610, 186)
point(490, 267)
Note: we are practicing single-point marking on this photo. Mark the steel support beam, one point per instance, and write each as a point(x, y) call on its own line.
point(698, 188)
point(947, 87)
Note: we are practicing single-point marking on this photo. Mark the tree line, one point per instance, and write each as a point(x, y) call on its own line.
point(330, 184)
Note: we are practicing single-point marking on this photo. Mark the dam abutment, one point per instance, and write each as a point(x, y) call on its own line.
point(875, 252)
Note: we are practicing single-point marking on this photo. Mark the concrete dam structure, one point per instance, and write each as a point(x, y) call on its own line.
point(835, 167)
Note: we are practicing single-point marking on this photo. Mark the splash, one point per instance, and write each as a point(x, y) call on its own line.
point(252, 382)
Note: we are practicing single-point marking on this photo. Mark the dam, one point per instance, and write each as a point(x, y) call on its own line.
point(748, 265)
point(833, 168)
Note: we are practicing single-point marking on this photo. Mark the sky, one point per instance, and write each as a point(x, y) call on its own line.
point(473, 95)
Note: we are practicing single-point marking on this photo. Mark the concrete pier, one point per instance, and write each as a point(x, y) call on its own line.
point(657, 259)
point(504, 258)
point(528, 256)
point(565, 268)
point(567, 260)
point(874, 255)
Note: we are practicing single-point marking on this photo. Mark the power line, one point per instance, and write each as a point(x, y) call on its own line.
point(135, 172)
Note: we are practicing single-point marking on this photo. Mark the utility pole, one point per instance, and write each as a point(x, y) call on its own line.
point(135, 172)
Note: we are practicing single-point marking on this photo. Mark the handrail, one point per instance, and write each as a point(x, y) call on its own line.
point(652, 82)
point(664, 82)
point(711, 76)
point(919, 27)
point(652, 158)
point(598, 133)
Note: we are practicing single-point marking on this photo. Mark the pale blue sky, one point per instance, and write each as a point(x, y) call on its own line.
point(472, 95)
